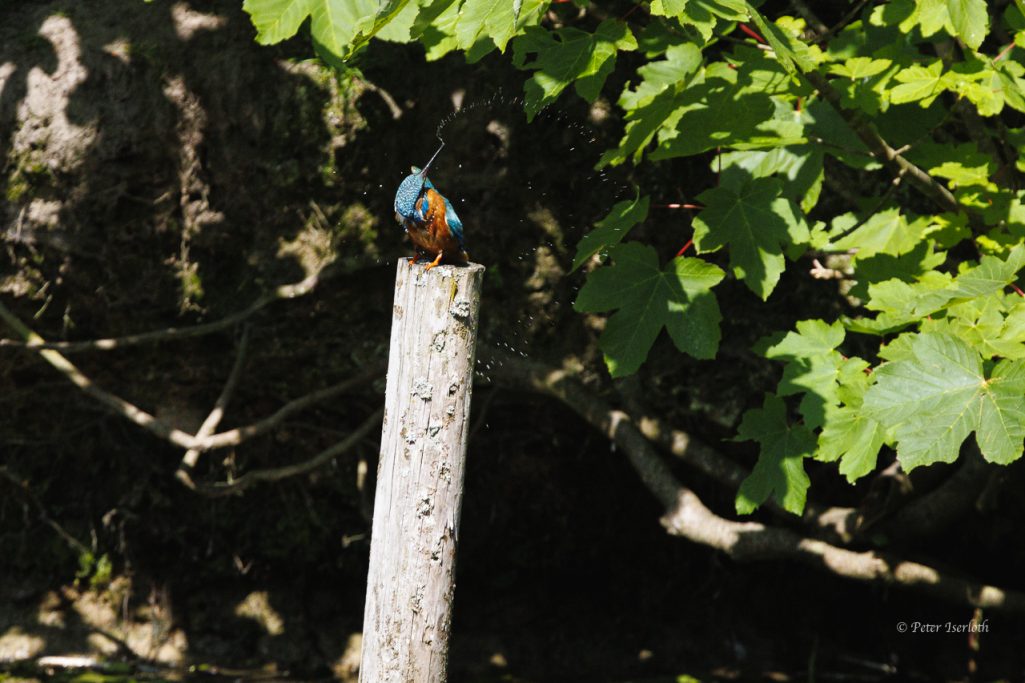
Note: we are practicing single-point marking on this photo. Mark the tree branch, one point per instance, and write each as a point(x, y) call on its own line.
point(158, 427)
point(835, 524)
point(291, 291)
point(23, 487)
point(234, 437)
point(688, 517)
point(209, 426)
point(278, 473)
point(79, 379)
point(889, 157)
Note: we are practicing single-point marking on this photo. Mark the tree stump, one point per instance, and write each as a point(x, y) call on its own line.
point(419, 495)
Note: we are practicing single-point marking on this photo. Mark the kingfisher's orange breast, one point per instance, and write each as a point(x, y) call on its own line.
point(434, 235)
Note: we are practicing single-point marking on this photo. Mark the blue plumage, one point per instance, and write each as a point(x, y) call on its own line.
point(429, 218)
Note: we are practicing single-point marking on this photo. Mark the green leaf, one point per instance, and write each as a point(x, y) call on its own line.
point(812, 367)
point(907, 267)
point(676, 297)
point(495, 20)
point(991, 275)
point(961, 175)
point(277, 20)
point(757, 224)
point(436, 27)
point(910, 301)
point(989, 324)
point(1002, 422)
point(335, 26)
point(886, 232)
point(933, 16)
point(812, 338)
point(612, 229)
point(902, 302)
point(779, 471)
point(668, 8)
point(935, 397)
point(569, 55)
point(713, 114)
point(970, 19)
point(793, 55)
point(921, 84)
point(854, 439)
point(857, 68)
point(338, 27)
point(702, 15)
point(800, 165)
point(849, 435)
point(680, 62)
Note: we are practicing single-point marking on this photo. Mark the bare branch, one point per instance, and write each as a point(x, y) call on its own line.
point(888, 156)
point(79, 379)
point(809, 16)
point(687, 516)
point(278, 473)
point(291, 291)
point(209, 426)
point(25, 491)
point(233, 437)
point(839, 26)
point(158, 427)
point(835, 524)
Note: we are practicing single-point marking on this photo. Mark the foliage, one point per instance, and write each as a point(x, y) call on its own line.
point(921, 98)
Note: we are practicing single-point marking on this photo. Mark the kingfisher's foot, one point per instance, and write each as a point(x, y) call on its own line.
point(413, 259)
point(436, 261)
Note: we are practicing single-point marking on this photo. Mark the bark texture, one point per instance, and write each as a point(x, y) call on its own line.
point(420, 474)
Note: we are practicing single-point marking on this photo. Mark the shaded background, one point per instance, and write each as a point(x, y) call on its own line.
point(160, 168)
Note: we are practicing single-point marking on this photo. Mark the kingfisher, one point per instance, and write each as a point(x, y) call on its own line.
point(429, 219)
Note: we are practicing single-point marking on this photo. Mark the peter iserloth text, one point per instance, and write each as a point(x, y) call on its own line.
point(944, 627)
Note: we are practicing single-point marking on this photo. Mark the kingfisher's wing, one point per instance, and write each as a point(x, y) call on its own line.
point(454, 224)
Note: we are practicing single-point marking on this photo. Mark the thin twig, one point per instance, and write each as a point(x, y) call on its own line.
point(839, 26)
point(209, 426)
point(234, 437)
point(79, 379)
point(160, 428)
point(278, 473)
point(809, 16)
point(75, 544)
point(882, 151)
point(291, 291)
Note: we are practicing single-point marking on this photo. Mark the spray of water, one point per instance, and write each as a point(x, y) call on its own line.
point(515, 332)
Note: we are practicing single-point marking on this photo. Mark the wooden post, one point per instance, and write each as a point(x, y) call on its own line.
point(420, 474)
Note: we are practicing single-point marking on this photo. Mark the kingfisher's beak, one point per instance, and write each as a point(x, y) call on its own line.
point(423, 173)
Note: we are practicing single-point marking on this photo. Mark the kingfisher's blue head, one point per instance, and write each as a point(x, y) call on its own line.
point(410, 189)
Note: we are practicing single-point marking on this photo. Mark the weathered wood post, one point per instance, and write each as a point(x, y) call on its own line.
point(420, 474)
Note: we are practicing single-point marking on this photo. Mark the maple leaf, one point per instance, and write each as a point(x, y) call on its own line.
point(757, 223)
point(611, 229)
point(779, 471)
point(676, 297)
point(937, 394)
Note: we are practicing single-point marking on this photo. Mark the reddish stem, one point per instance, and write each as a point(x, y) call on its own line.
point(684, 248)
point(1003, 53)
point(751, 32)
point(1017, 289)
